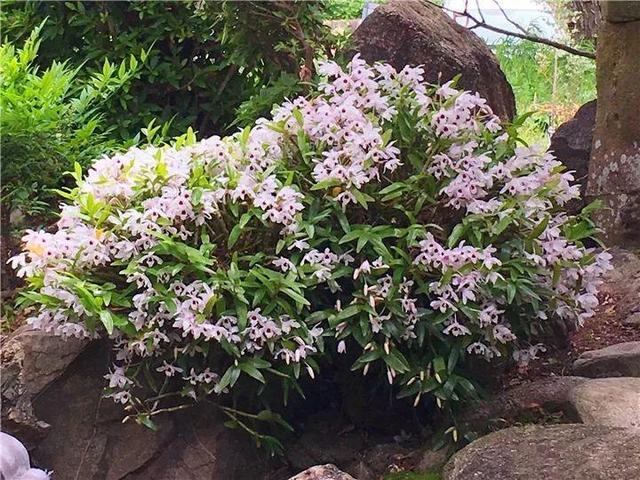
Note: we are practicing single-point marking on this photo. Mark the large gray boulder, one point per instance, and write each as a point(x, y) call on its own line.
point(622, 284)
point(88, 440)
point(417, 33)
point(52, 393)
point(620, 360)
point(558, 452)
point(607, 401)
point(527, 400)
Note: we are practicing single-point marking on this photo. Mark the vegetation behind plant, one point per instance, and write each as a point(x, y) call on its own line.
point(204, 58)
point(551, 83)
point(52, 118)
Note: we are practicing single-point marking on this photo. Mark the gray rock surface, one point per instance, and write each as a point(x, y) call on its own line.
point(322, 472)
point(606, 401)
point(571, 144)
point(416, 33)
point(31, 360)
point(620, 360)
point(88, 440)
point(557, 452)
point(614, 402)
point(52, 395)
point(622, 284)
point(614, 169)
point(551, 394)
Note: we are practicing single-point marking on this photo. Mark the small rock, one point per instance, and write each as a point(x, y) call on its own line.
point(620, 360)
point(432, 460)
point(323, 472)
point(632, 320)
point(557, 452)
point(324, 440)
point(614, 402)
point(380, 460)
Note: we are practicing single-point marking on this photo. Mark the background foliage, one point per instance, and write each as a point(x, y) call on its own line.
point(52, 118)
point(205, 58)
point(552, 83)
point(202, 62)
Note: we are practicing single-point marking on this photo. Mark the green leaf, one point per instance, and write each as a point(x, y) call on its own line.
point(229, 379)
point(439, 366)
point(453, 360)
point(234, 235)
point(326, 183)
point(502, 225)
point(396, 360)
point(299, 299)
point(367, 357)
point(538, 229)
point(146, 421)
point(107, 321)
point(361, 197)
point(352, 235)
point(392, 188)
point(297, 114)
point(348, 312)
point(342, 219)
point(594, 206)
point(456, 234)
point(250, 369)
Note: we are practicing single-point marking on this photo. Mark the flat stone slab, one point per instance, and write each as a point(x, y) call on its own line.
point(556, 452)
point(614, 402)
point(620, 360)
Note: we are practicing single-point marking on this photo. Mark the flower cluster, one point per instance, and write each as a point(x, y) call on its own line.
point(381, 214)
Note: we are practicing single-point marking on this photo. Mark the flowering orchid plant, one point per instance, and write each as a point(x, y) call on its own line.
point(382, 214)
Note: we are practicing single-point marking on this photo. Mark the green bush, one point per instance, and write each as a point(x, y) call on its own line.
point(380, 216)
point(205, 58)
point(51, 118)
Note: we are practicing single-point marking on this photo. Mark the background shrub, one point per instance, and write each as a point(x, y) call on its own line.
point(551, 83)
point(205, 58)
point(51, 118)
